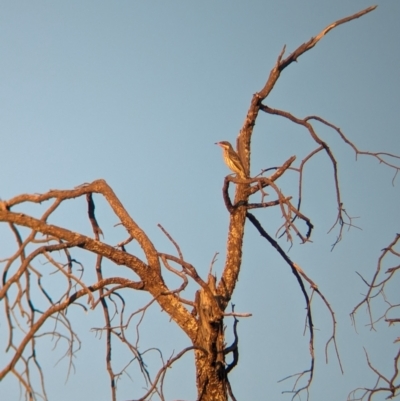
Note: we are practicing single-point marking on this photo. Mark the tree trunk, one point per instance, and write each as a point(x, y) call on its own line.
point(210, 366)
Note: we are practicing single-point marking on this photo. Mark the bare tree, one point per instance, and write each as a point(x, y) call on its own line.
point(378, 289)
point(34, 308)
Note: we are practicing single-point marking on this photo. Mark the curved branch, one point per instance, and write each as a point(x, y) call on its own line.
point(150, 277)
point(166, 366)
point(298, 273)
point(55, 309)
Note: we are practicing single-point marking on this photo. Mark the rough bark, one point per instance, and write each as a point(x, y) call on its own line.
point(210, 366)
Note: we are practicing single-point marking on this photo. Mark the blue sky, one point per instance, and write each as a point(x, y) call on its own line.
point(137, 93)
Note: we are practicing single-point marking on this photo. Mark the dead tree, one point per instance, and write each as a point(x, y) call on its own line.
point(30, 305)
point(378, 289)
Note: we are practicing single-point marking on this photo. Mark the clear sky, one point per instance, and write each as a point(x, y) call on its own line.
point(137, 93)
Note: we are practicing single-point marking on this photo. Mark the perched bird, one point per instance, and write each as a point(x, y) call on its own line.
point(232, 160)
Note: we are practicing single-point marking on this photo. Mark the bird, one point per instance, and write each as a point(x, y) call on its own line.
point(232, 159)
